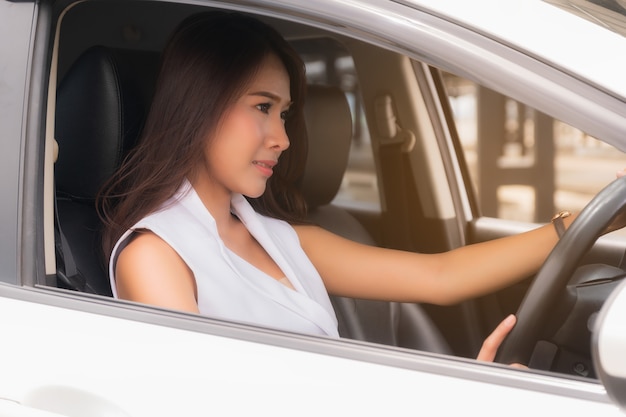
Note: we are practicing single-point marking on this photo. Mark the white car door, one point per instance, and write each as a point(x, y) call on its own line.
point(81, 357)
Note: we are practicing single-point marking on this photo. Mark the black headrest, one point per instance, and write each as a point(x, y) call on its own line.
point(101, 106)
point(329, 128)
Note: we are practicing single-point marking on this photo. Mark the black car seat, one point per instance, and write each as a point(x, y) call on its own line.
point(329, 128)
point(101, 105)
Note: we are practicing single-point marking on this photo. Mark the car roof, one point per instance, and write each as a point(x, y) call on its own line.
point(576, 36)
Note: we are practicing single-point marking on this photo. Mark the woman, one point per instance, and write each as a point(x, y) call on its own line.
point(227, 122)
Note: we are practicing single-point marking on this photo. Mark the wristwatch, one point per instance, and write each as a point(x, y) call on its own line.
point(557, 221)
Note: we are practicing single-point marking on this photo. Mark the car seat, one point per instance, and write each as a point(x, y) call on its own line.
point(101, 105)
point(329, 128)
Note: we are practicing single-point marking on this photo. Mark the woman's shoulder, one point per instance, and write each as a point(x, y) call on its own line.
point(149, 270)
point(174, 224)
point(144, 243)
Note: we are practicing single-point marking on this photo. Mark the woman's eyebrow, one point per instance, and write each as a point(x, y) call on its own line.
point(271, 96)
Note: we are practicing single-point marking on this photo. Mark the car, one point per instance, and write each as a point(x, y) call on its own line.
point(433, 124)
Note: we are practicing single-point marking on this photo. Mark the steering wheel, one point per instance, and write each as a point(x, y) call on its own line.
point(556, 271)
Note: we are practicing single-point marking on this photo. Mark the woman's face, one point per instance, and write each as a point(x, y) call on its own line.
point(251, 136)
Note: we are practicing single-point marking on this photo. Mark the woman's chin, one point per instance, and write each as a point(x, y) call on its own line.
point(254, 193)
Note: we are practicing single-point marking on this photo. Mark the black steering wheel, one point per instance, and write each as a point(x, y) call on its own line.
point(557, 270)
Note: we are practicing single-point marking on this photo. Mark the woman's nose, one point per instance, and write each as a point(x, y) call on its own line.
point(278, 138)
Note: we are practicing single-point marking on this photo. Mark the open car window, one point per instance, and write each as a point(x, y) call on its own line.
point(400, 182)
point(524, 164)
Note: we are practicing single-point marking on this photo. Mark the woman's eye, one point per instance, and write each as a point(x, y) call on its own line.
point(264, 107)
point(285, 115)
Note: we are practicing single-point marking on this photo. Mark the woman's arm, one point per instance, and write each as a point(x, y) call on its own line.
point(149, 271)
point(357, 270)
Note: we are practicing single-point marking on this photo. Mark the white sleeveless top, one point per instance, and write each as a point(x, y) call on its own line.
point(229, 287)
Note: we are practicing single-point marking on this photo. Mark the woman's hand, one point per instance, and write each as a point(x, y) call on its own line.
point(494, 340)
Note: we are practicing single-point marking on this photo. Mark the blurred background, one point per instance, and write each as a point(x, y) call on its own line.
point(523, 164)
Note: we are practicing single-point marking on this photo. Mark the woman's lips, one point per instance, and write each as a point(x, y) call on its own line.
point(266, 167)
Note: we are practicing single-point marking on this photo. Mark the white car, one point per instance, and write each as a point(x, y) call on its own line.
point(444, 108)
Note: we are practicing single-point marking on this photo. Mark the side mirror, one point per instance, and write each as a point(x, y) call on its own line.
point(608, 345)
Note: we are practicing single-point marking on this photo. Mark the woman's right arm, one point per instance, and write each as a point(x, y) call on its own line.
point(149, 271)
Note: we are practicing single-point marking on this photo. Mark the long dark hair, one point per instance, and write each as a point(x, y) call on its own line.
point(206, 66)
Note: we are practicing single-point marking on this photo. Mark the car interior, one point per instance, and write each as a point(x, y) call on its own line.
point(103, 94)
point(113, 87)
point(107, 61)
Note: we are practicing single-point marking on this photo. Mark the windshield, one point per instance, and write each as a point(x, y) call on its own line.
point(608, 13)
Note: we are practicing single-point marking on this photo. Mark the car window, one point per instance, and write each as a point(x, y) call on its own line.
point(525, 165)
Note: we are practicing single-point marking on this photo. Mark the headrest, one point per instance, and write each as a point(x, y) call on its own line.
point(329, 128)
point(101, 106)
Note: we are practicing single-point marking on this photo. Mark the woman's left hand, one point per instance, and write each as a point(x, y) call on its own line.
point(494, 340)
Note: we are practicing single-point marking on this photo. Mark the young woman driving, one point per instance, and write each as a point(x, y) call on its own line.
point(205, 215)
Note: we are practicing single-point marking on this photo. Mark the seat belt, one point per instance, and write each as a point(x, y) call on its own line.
point(395, 145)
point(396, 215)
point(67, 272)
